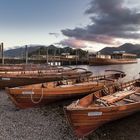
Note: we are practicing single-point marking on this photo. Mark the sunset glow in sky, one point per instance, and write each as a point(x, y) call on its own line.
point(87, 24)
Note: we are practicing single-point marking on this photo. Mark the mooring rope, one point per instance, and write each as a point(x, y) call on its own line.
point(41, 97)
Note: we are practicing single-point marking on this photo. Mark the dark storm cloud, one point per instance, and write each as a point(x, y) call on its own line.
point(111, 19)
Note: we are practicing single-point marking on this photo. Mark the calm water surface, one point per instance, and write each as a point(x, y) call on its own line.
point(132, 70)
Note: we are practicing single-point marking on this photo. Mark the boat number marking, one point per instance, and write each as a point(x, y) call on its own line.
point(27, 92)
point(5, 79)
point(94, 114)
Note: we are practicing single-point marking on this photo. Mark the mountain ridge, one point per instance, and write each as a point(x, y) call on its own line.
point(127, 47)
point(36, 49)
point(42, 50)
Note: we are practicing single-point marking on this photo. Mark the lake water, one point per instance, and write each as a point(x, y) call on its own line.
point(132, 70)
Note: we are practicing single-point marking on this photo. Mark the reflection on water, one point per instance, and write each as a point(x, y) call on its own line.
point(132, 70)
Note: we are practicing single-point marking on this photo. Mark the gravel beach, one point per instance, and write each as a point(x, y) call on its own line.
point(49, 123)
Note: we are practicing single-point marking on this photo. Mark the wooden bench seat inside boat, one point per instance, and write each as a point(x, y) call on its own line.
point(137, 94)
point(129, 100)
point(86, 83)
point(121, 102)
point(135, 97)
point(110, 99)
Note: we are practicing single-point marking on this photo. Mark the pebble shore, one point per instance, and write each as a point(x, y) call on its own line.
point(49, 123)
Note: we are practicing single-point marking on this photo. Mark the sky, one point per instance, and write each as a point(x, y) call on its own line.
point(86, 24)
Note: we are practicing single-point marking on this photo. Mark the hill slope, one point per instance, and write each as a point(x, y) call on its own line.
point(38, 49)
point(20, 51)
point(128, 48)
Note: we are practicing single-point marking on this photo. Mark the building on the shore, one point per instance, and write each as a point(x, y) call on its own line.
point(117, 57)
point(69, 56)
point(123, 55)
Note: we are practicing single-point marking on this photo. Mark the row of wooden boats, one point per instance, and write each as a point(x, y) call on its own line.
point(24, 67)
point(20, 78)
point(99, 99)
point(29, 67)
point(44, 93)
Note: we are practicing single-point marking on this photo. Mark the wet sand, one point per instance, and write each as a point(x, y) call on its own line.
point(49, 123)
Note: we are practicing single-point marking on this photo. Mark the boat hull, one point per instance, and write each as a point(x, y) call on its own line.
point(21, 81)
point(102, 61)
point(15, 81)
point(26, 98)
point(83, 122)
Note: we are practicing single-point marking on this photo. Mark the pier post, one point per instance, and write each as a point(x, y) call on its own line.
point(87, 58)
point(26, 54)
point(54, 56)
point(47, 55)
point(2, 53)
point(76, 56)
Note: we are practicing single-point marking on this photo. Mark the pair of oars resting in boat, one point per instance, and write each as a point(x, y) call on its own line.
point(110, 99)
point(107, 96)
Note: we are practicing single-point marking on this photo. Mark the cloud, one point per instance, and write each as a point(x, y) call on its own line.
point(110, 20)
point(54, 34)
point(74, 43)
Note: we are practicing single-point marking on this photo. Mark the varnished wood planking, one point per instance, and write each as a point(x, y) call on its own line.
point(83, 124)
point(50, 95)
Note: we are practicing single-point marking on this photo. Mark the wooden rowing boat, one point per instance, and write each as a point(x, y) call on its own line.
point(105, 61)
point(103, 106)
point(40, 94)
point(12, 79)
point(26, 67)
